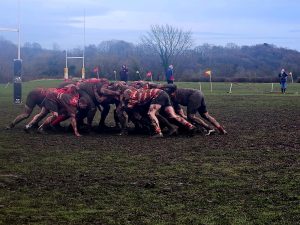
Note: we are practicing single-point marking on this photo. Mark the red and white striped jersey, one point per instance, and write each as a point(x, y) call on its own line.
point(140, 96)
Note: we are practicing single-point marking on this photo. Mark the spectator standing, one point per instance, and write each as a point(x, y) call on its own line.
point(169, 75)
point(283, 80)
point(124, 73)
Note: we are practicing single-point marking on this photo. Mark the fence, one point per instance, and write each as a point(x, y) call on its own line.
point(240, 88)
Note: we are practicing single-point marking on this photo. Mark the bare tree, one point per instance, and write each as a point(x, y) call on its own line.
point(168, 42)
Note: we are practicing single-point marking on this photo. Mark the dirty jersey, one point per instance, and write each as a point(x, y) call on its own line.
point(139, 97)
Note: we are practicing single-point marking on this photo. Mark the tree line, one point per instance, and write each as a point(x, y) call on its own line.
point(257, 63)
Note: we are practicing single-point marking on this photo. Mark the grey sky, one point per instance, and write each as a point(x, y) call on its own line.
point(244, 22)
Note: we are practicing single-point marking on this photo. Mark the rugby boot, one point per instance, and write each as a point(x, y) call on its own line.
point(27, 128)
point(221, 130)
point(123, 132)
point(34, 125)
point(210, 132)
point(102, 127)
point(56, 128)
point(41, 130)
point(158, 135)
point(10, 126)
point(173, 131)
point(192, 131)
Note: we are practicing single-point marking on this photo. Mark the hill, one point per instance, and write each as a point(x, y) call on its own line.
point(258, 63)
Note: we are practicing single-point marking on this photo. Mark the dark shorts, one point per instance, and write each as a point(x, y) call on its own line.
point(88, 99)
point(34, 98)
point(51, 105)
point(196, 103)
point(31, 103)
point(162, 99)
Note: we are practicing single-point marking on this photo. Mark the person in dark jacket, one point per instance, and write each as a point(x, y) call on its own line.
point(124, 73)
point(169, 75)
point(283, 80)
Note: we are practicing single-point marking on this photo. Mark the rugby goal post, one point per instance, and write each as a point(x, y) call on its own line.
point(17, 80)
point(66, 69)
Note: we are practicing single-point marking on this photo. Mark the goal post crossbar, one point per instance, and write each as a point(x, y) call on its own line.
point(9, 29)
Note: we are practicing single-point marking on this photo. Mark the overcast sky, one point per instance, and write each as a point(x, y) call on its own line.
point(218, 22)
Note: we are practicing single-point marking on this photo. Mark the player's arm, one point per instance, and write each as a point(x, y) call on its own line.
point(178, 109)
point(97, 96)
point(106, 91)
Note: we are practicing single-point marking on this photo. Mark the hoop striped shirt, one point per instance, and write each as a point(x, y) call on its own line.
point(142, 96)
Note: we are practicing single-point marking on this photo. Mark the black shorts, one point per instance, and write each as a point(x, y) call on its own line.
point(51, 105)
point(34, 98)
point(196, 103)
point(88, 99)
point(162, 99)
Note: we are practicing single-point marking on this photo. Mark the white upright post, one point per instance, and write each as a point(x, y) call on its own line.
point(292, 77)
point(19, 35)
point(272, 88)
point(115, 72)
point(83, 52)
point(66, 72)
point(230, 88)
point(200, 86)
point(17, 79)
point(66, 58)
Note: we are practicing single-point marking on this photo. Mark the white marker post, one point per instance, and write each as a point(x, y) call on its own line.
point(230, 88)
point(272, 88)
point(115, 72)
point(291, 74)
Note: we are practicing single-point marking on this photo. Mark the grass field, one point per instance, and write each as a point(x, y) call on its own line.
point(250, 176)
